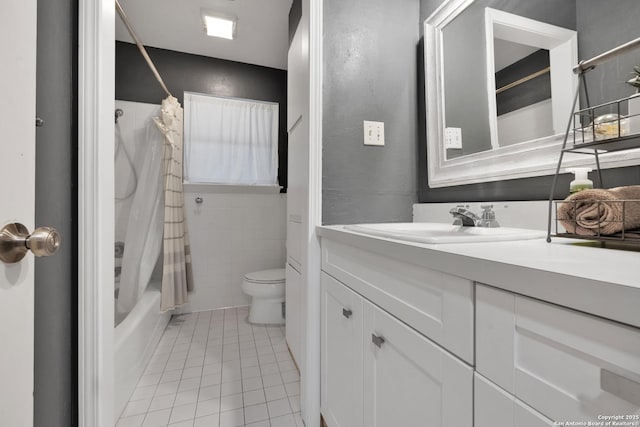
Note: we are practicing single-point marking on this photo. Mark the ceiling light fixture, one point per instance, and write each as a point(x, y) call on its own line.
point(219, 25)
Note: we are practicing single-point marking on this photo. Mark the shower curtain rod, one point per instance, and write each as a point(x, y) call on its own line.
point(141, 48)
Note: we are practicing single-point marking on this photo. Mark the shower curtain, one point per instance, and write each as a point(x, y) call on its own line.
point(143, 239)
point(177, 278)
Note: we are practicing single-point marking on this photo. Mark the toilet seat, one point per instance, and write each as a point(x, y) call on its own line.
point(267, 291)
point(275, 275)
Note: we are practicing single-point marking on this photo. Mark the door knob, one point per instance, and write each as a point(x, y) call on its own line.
point(15, 242)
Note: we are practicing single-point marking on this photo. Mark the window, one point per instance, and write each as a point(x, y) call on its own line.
point(230, 141)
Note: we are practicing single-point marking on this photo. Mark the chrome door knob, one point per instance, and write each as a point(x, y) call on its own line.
point(15, 242)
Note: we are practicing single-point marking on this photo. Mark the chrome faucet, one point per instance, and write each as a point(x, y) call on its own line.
point(463, 216)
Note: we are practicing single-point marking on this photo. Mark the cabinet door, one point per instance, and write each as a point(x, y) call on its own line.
point(293, 316)
point(565, 364)
point(409, 380)
point(493, 407)
point(341, 359)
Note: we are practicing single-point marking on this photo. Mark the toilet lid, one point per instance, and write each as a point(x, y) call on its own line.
point(275, 275)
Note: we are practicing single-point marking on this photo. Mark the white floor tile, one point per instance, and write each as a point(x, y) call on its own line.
point(208, 407)
point(231, 402)
point(184, 397)
point(183, 413)
point(134, 421)
point(211, 379)
point(256, 413)
point(167, 388)
point(195, 372)
point(290, 376)
point(157, 418)
point(293, 389)
point(283, 421)
point(189, 384)
point(209, 370)
point(233, 418)
point(209, 421)
point(274, 393)
point(279, 407)
point(150, 379)
point(234, 387)
point(162, 402)
point(170, 376)
point(250, 384)
point(143, 392)
point(295, 403)
point(269, 368)
point(271, 380)
point(208, 393)
point(136, 407)
point(254, 397)
point(298, 417)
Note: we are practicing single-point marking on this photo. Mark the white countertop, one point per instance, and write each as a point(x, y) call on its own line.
point(603, 282)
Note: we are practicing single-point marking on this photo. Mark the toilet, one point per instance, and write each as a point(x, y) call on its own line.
point(266, 289)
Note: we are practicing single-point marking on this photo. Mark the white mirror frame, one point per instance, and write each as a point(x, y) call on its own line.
point(527, 159)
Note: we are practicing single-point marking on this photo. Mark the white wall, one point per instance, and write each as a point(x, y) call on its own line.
point(232, 233)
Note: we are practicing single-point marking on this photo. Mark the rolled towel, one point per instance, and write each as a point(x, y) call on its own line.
point(601, 212)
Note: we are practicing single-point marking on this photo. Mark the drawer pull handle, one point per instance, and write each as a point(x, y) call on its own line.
point(620, 386)
point(346, 312)
point(378, 341)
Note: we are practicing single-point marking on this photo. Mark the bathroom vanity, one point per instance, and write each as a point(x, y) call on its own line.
point(499, 334)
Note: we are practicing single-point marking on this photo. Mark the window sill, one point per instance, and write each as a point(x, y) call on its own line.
point(231, 188)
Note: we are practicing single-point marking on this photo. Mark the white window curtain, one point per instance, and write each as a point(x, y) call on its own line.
point(230, 141)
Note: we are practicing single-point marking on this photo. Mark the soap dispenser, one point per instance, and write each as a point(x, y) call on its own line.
point(581, 181)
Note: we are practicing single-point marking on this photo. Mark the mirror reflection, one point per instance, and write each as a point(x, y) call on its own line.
point(498, 87)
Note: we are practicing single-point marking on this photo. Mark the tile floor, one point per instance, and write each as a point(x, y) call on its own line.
point(214, 369)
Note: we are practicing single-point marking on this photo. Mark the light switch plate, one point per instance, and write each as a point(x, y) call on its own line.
point(373, 133)
point(453, 138)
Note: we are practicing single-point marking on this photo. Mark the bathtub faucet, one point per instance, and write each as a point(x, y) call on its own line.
point(463, 216)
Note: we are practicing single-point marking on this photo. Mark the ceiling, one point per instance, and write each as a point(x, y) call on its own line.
point(261, 34)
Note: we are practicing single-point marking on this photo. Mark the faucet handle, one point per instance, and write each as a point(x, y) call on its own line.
point(488, 216)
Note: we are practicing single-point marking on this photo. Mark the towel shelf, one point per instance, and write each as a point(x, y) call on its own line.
point(595, 130)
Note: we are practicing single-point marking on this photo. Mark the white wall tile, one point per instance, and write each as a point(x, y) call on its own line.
point(232, 234)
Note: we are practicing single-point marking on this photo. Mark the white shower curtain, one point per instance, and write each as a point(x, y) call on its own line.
point(143, 240)
point(177, 278)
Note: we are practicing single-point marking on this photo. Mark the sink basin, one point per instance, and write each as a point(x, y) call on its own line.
point(434, 233)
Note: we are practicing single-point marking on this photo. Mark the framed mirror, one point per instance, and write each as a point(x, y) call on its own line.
point(499, 90)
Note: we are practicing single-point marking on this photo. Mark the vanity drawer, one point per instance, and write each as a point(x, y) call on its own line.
point(438, 305)
point(494, 407)
point(565, 364)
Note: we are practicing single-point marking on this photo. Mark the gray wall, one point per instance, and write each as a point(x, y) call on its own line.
point(603, 25)
point(55, 400)
point(370, 73)
point(595, 20)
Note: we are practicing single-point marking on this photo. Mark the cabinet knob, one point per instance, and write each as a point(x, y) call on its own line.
point(346, 312)
point(378, 341)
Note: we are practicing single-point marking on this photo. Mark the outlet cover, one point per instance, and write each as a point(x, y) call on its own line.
point(453, 138)
point(373, 133)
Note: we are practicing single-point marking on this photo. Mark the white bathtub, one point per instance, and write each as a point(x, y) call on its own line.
point(135, 340)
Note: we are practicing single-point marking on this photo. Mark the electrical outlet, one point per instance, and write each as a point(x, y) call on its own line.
point(373, 133)
point(453, 138)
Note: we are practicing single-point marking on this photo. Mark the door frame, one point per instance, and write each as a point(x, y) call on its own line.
point(96, 89)
point(96, 222)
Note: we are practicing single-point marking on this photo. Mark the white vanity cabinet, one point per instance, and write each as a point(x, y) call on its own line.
point(377, 368)
point(567, 365)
